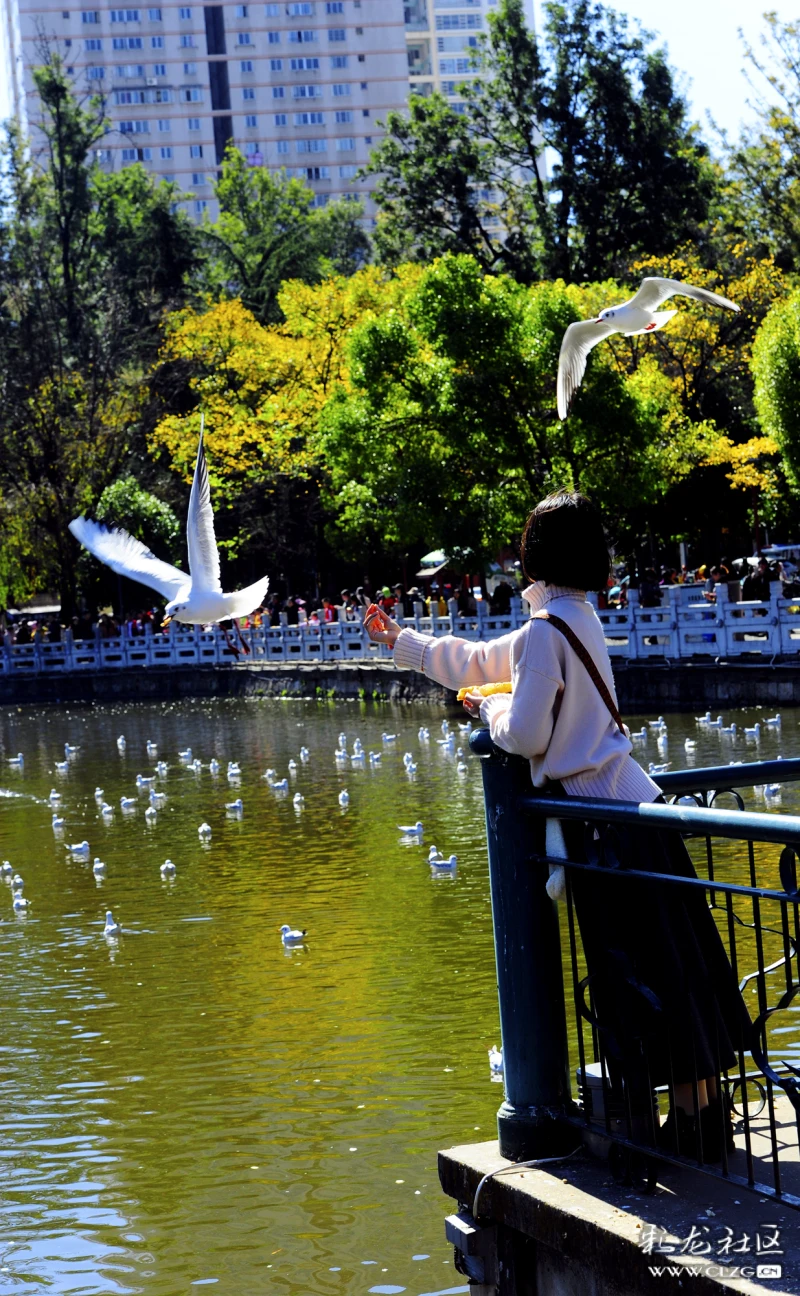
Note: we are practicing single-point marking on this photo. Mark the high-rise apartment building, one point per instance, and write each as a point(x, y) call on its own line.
point(298, 85)
point(441, 36)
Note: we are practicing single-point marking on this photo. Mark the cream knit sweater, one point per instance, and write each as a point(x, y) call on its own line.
point(554, 716)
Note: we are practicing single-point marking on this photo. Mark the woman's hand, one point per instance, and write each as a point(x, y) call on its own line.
point(472, 705)
point(380, 627)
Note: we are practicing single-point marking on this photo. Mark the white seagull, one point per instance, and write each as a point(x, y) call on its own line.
point(194, 597)
point(639, 315)
point(111, 928)
point(292, 937)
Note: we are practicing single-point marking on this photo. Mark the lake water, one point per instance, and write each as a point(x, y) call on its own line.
point(193, 1104)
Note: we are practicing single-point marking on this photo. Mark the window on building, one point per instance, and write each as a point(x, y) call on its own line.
point(302, 37)
point(68, 43)
point(280, 119)
point(340, 91)
point(251, 120)
point(365, 112)
point(184, 13)
point(251, 147)
point(248, 93)
point(276, 65)
point(127, 42)
point(192, 94)
point(93, 43)
point(334, 7)
point(272, 11)
point(347, 172)
point(166, 152)
point(156, 42)
point(95, 73)
point(246, 65)
point(283, 146)
point(244, 38)
point(160, 96)
point(359, 31)
point(187, 42)
point(130, 70)
point(459, 22)
point(307, 92)
point(312, 146)
point(344, 115)
point(304, 64)
point(90, 16)
point(454, 66)
point(129, 155)
point(198, 178)
point(200, 205)
point(363, 83)
point(301, 9)
point(345, 145)
point(135, 127)
point(124, 15)
point(278, 92)
point(273, 38)
point(362, 58)
point(367, 139)
point(241, 11)
point(337, 34)
point(190, 69)
point(338, 60)
point(309, 119)
point(65, 13)
point(313, 173)
point(195, 150)
point(154, 15)
point(164, 124)
point(194, 123)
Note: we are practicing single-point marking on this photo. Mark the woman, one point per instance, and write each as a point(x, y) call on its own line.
point(664, 998)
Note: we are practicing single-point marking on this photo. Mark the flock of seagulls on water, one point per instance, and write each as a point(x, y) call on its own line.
point(658, 731)
point(354, 757)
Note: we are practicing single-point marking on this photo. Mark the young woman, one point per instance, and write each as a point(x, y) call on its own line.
point(663, 994)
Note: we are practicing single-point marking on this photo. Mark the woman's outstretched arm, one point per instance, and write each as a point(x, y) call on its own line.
point(455, 663)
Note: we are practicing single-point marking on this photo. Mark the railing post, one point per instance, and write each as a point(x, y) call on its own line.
point(529, 976)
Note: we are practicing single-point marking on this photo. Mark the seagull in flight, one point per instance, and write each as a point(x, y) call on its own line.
point(639, 315)
point(194, 597)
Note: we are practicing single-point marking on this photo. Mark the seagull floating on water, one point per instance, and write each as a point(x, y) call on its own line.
point(344, 799)
point(111, 928)
point(213, 766)
point(194, 597)
point(121, 742)
point(18, 760)
point(98, 794)
point(185, 755)
point(70, 751)
point(773, 723)
point(298, 800)
point(424, 734)
point(754, 732)
point(204, 831)
point(168, 869)
point(448, 865)
point(304, 754)
point(291, 936)
point(151, 814)
point(54, 797)
point(17, 882)
point(639, 315)
point(280, 785)
point(80, 849)
point(411, 830)
point(62, 767)
point(128, 803)
point(495, 1060)
point(235, 807)
point(58, 821)
point(19, 903)
point(99, 868)
point(152, 749)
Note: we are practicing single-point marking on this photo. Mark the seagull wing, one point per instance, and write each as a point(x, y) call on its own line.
point(579, 340)
point(202, 542)
point(655, 291)
point(129, 557)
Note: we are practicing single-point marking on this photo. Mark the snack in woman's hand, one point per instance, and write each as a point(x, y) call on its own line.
point(371, 611)
point(485, 690)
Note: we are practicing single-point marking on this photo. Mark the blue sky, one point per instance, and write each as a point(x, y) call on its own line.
point(703, 43)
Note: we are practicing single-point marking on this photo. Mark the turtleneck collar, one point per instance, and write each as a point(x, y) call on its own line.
point(538, 594)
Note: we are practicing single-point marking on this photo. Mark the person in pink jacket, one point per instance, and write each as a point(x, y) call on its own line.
point(663, 993)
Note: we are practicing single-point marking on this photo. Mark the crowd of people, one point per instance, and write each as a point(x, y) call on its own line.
point(396, 600)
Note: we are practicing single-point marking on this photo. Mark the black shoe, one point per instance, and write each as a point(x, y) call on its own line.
point(716, 1124)
point(678, 1135)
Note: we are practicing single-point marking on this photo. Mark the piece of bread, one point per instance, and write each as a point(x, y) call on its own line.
point(485, 690)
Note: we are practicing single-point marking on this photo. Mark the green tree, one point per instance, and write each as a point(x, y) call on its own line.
point(761, 196)
point(268, 232)
point(89, 264)
point(446, 430)
point(629, 175)
point(776, 369)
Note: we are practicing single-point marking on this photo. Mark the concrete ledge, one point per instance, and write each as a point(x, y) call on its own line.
point(574, 1232)
point(642, 688)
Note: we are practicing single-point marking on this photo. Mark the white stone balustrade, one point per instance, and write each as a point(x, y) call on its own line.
point(683, 627)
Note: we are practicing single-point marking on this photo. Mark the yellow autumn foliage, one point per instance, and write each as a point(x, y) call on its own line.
point(261, 387)
point(748, 469)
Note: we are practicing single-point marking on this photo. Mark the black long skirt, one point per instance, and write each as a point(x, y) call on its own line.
point(662, 992)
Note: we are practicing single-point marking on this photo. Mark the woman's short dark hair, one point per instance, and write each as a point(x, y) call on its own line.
point(564, 543)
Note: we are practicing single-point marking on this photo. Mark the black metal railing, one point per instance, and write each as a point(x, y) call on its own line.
point(747, 872)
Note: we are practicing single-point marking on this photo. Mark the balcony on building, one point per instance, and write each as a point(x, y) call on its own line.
point(419, 59)
point(416, 15)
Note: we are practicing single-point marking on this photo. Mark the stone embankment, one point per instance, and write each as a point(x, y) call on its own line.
point(641, 688)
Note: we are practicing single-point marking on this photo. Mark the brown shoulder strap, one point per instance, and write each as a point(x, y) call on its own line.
point(594, 674)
